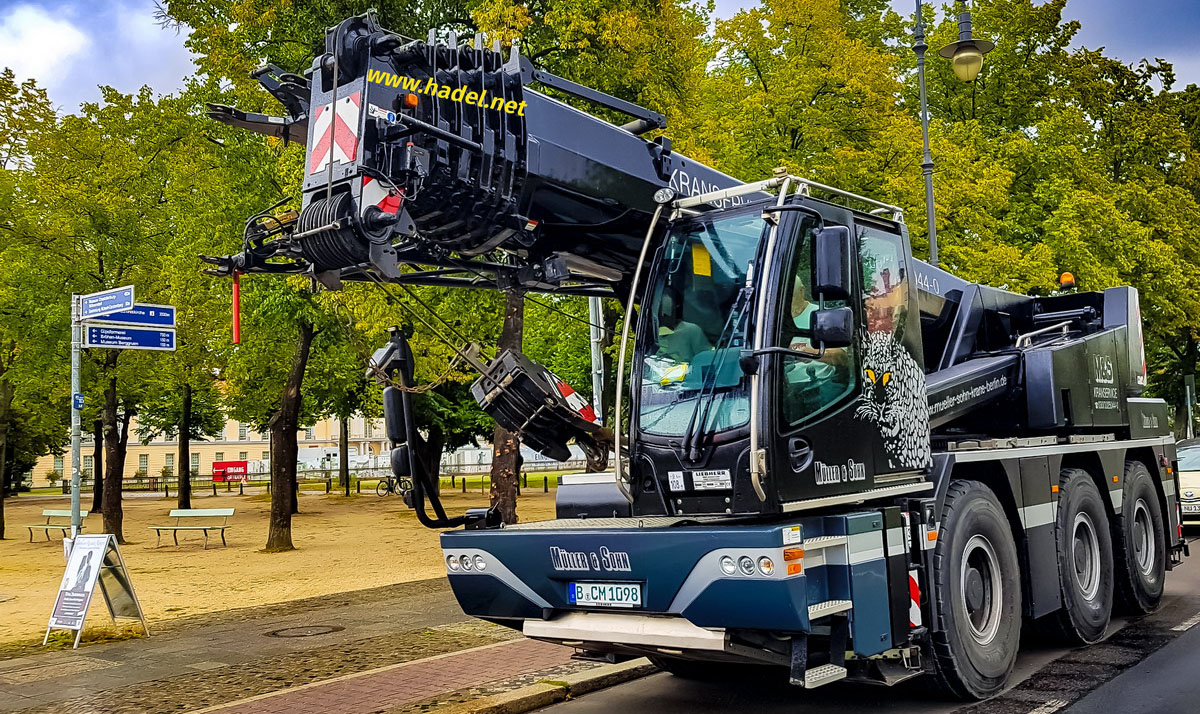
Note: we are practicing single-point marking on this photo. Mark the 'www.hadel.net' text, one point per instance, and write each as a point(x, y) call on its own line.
point(434, 89)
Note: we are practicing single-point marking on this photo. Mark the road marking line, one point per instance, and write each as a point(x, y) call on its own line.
point(1188, 623)
point(1050, 707)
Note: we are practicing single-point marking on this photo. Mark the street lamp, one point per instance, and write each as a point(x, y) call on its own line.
point(966, 58)
point(966, 55)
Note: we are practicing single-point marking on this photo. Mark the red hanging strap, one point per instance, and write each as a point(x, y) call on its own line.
point(237, 308)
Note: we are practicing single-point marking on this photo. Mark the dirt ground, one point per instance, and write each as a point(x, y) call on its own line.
point(341, 543)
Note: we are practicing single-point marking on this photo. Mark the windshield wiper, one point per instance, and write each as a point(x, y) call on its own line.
point(691, 437)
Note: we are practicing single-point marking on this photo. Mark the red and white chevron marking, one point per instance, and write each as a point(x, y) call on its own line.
point(914, 600)
point(335, 134)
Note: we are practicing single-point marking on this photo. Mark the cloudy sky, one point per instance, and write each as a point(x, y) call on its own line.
point(71, 46)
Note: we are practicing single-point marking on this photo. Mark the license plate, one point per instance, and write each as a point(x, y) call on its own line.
point(1191, 508)
point(605, 594)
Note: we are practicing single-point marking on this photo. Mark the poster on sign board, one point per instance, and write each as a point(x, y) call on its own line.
point(92, 560)
point(230, 471)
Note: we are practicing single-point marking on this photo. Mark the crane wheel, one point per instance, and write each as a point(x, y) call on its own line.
point(1085, 560)
point(978, 583)
point(1141, 548)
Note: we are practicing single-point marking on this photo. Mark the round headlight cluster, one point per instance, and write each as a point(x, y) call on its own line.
point(728, 566)
point(461, 563)
point(766, 566)
point(746, 565)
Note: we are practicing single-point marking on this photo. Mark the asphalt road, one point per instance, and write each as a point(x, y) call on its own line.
point(1146, 665)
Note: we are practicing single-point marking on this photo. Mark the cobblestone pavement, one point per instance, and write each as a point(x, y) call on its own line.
point(214, 659)
point(381, 690)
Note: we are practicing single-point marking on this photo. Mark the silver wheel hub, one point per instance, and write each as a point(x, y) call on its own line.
point(1143, 538)
point(981, 589)
point(1085, 552)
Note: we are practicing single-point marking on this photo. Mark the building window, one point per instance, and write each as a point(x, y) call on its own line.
point(169, 464)
point(308, 433)
point(241, 456)
point(195, 463)
point(88, 465)
point(58, 464)
point(266, 456)
point(219, 456)
point(243, 432)
point(144, 463)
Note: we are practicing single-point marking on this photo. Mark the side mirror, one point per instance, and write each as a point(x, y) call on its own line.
point(833, 327)
point(393, 415)
point(833, 256)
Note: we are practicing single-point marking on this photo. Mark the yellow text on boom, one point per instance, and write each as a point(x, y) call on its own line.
point(433, 89)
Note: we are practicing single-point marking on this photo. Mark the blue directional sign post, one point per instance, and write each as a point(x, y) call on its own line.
point(120, 337)
point(105, 302)
point(144, 315)
point(110, 319)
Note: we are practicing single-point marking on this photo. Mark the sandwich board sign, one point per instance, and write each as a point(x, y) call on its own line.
point(93, 560)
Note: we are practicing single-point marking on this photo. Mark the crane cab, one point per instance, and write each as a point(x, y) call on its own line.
point(778, 359)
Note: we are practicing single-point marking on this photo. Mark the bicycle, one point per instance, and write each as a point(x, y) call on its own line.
point(392, 485)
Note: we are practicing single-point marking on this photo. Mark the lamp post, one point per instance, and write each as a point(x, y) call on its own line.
point(966, 59)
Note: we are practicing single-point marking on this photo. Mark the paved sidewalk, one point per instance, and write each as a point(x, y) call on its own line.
point(207, 660)
point(396, 685)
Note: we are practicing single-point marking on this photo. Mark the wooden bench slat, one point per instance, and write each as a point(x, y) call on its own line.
point(60, 513)
point(200, 513)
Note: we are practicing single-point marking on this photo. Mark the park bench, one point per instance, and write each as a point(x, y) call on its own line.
point(184, 522)
point(52, 525)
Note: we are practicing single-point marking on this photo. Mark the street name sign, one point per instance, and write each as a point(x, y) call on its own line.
point(128, 338)
point(92, 560)
point(105, 302)
point(145, 315)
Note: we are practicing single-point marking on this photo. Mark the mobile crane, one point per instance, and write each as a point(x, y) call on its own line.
point(838, 460)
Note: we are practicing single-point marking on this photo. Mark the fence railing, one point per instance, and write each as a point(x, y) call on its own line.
point(330, 478)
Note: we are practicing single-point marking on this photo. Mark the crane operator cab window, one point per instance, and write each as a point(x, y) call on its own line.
point(810, 384)
point(698, 309)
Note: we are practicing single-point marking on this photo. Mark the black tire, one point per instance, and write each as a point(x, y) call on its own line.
point(975, 558)
point(1140, 540)
point(1085, 560)
point(383, 488)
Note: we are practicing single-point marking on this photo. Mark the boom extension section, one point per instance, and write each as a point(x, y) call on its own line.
point(439, 164)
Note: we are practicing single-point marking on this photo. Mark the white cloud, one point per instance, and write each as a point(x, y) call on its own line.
point(34, 43)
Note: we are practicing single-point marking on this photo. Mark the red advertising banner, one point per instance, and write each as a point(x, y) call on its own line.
point(230, 471)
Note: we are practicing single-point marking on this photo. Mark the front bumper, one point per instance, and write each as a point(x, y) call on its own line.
point(691, 599)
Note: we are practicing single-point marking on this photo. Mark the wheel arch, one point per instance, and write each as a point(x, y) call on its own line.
point(1091, 463)
point(1146, 456)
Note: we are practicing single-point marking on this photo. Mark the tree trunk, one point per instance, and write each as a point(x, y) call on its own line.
point(97, 466)
point(283, 425)
point(116, 443)
point(506, 447)
point(344, 454)
point(185, 456)
point(7, 391)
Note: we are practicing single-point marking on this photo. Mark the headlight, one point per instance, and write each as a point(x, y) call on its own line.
point(452, 563)
point(727, 565)
point(465, 561)
point(480, 563)
point(746, 565)
point(765, 565)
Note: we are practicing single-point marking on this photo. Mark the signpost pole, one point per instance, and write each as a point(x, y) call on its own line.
point(76, 481)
